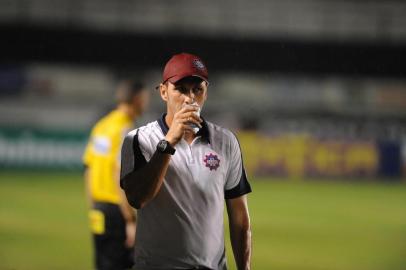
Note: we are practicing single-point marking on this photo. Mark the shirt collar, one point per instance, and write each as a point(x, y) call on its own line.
point(203, 132)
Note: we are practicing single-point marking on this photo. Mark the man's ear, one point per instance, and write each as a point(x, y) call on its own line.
point(163, 89)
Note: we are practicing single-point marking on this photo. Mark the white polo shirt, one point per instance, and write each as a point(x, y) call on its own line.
point(182, 227)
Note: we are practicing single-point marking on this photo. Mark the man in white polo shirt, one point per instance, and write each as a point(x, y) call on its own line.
point(178, 171)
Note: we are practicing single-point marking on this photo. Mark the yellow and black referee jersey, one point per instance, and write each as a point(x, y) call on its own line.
point(102, 156)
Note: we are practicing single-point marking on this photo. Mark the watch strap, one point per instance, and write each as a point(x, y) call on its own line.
point(165, 147)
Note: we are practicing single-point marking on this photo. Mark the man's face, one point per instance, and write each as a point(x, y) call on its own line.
point(141, 101)
point(185, 91)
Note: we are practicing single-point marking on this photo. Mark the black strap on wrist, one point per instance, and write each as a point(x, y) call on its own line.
point(168, 149)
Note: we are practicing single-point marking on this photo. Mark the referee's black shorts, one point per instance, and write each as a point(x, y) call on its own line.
point(110, 250)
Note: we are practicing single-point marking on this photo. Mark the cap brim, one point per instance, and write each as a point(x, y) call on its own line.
point(177, 78)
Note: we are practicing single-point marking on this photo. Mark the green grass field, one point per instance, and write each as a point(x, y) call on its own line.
point(296, 225)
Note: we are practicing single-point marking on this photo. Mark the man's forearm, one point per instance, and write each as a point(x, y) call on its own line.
point(126, 209)
point(143, 184)
point(240, 231)
point(241, 243)
point(87, 187)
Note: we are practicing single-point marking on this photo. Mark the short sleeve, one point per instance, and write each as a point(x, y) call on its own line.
point(132, 157)
point(87, 155)
point(236, 182)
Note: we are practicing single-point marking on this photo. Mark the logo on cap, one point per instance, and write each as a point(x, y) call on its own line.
point(198, 64)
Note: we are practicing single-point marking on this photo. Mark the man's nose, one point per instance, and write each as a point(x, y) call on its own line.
point(190, 97)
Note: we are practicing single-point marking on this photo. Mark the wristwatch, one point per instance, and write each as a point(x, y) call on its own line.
point(165, 147)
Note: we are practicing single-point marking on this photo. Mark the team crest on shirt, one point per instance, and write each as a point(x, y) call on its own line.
point(211, 161)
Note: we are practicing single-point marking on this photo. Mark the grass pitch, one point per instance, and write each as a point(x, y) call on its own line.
point(296, 225)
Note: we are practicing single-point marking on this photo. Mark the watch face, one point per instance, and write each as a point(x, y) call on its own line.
point(162, 145)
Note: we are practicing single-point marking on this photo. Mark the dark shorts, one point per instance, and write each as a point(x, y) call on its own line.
point(110, 250)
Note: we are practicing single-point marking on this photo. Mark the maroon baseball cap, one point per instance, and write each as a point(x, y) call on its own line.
point(184, 65)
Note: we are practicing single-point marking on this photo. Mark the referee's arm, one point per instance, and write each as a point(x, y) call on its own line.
point(86, 176)
point(87, 157)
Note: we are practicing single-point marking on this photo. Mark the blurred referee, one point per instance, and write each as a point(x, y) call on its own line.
point(112, 219)
point(178, 171)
